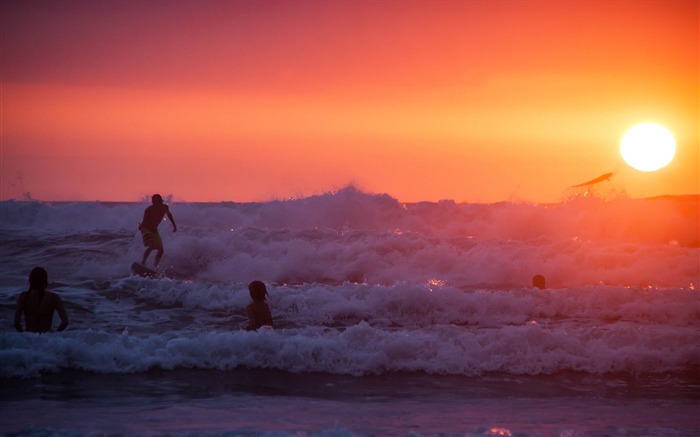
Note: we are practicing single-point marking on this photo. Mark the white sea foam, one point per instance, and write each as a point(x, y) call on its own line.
point(358, 329)
point(361, 284)
point(351, 236)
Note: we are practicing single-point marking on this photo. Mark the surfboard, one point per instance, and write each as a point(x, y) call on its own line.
point(143, 271)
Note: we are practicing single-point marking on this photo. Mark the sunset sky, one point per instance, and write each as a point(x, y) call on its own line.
point(476, 101)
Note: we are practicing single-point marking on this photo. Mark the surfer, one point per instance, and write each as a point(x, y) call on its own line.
point(152, 217)
point(38, 305)
point(258, 311)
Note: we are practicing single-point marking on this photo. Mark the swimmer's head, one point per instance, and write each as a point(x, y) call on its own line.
point(156, 199)
point(538, 281)
point(258, 292)
point(38, 279)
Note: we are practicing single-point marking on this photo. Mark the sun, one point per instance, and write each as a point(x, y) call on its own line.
point(648, 147)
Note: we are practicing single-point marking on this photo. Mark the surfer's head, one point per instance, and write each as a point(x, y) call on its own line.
point(258, 292)
point(38, 279)
point(156, 199)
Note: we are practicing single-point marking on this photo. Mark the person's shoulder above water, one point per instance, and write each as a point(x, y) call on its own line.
point(258, 311)
point(38, 305)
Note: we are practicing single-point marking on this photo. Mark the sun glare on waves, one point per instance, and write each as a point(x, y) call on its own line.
point(648, 147)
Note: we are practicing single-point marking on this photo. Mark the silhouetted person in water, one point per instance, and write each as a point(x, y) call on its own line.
point(152, 217)
point(538, 282)
point(38, 305)
point(258, 311)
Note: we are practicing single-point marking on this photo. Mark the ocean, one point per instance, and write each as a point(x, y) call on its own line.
point(391, 319)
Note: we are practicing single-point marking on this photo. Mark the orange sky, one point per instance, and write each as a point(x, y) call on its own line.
point(477, 101)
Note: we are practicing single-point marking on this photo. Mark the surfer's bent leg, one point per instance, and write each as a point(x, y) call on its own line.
point(159, 255)
point(157, 245)
point(145, 256)
point(152, 241)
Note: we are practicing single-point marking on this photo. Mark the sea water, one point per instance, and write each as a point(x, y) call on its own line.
point(390, 319)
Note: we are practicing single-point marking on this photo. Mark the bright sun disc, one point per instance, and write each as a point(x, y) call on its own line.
point(648, 147)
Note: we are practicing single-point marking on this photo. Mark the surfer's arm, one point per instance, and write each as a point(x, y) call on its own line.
point(61, 313)
point(251, 318)
point(143, 220)
point(19, 310)
point(172, 220)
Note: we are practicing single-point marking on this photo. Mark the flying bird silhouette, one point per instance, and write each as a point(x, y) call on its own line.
point(599, 179)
